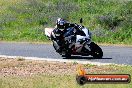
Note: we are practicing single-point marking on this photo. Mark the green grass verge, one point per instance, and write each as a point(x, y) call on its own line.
point(25, 20)
point(50, 81)
point(59, 76)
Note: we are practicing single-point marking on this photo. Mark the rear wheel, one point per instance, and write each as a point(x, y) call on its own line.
point(96, 51)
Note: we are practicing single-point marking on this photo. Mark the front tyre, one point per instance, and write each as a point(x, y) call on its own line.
point(67, 54)
point(96, 51)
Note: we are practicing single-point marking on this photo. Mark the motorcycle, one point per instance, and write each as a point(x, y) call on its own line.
point(74, 44)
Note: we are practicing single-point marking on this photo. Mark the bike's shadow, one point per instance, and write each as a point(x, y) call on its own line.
point(85, 57)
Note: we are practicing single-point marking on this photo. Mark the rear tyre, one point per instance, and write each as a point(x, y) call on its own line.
point(96, 51)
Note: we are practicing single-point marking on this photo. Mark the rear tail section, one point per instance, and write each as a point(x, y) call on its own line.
point(48, 32)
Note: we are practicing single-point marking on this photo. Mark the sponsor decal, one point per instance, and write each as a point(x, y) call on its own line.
point(83, 77)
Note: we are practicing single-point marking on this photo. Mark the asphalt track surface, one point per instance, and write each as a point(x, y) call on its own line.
point(112, 54)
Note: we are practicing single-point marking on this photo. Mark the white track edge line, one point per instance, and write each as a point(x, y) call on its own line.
point(59, 60)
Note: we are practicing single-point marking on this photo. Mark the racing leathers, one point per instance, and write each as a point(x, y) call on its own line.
point(58, 36)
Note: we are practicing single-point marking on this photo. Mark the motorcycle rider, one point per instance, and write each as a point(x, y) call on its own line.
point(60, 29)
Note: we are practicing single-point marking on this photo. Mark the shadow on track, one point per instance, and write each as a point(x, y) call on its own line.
point(84, 57)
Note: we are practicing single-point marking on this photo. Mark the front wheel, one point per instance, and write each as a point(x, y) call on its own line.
point(67, 54)
point(96, 51)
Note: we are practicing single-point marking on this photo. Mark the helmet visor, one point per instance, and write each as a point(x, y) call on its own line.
point(61, 23)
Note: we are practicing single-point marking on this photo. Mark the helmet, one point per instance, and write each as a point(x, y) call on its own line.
point(60, 23)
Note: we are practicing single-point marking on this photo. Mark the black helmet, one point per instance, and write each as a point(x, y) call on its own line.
point(60, 23)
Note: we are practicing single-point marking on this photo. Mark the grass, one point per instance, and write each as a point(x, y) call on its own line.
point(25, 20)
point(36, 74)
point(20, 59)
point(49, 81)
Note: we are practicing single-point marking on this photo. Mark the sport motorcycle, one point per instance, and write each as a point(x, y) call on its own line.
point(75, 44)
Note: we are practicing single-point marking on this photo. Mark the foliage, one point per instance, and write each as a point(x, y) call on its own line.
point(24, 20)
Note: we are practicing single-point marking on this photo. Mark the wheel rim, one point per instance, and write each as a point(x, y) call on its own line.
point(97, 53)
